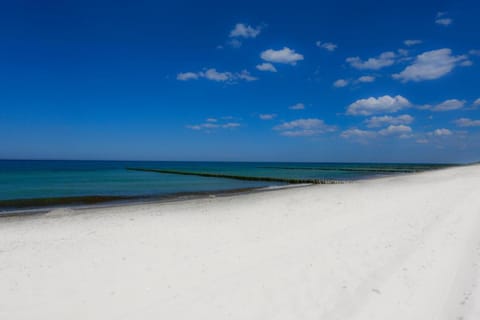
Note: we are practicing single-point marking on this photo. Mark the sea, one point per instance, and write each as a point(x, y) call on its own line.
point(33, 184)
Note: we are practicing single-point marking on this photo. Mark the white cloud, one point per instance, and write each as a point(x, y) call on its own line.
point(230, 125)
point(214, 75)
point(235, 43)
point(466, 63)
point(376, 122)
point(474, 52)
point(410, 43)
point(444, 21)
point(385, 104)
point(466, 122)
point(401, 129)
point(298, 106)
point(266, 66)
point(422, 141)
point(357, 133)
point(245, 75)
point(244, 31)
point(404, 53)
point(211, 124)
point(340, 83)
point(447, 105)
point(267, 116)
point(203, 126)
point(285, 55)
point(430, 65)
point(366, 79)
point(184, 76)
point(304, 127)
point(440, 132)
point(383, 60)
point(477, 102)
point(326, 45)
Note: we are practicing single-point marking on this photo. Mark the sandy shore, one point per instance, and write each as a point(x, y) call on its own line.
point(405, 247)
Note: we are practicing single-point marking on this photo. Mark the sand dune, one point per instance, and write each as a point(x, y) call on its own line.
point(405, 247)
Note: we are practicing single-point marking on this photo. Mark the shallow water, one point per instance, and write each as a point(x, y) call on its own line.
point(26, 179)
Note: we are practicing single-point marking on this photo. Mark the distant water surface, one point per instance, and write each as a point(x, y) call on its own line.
point(24, 179)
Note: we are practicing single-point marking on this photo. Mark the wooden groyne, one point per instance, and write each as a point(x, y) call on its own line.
point(235, 177)
point(375, 170)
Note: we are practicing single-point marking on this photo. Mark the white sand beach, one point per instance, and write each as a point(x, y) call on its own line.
point(404, 247)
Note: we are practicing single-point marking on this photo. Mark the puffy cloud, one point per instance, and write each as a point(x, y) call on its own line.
point(447, 105)
point(430, 65)
point(474, 52)
point(340, 83)
point(298, 106)
point(214, 75)
point(385, 104)
point(401, 129)
point(241, 30)
point(245, 75)
point(285, 55)
point(366, 79)
point(440, 132)
point(477, 102)
point(466, 122)
point(383, 60)
point(244, 31)
point(301, 123)
point(267, 116)
point(357, 133)
point(410, 43)
point(266, 66)
point(326, 45)
point(376, 122)
point(304, 127)
point(184, 76)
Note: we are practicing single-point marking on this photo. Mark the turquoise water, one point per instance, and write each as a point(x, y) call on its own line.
point(56, 179)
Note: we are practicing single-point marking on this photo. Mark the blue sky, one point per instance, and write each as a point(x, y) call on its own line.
point(252, 81)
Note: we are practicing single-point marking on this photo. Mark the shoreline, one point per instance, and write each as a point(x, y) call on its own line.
point(138, 201)
point(398, 247)
point(36, 202)
point(88, 202)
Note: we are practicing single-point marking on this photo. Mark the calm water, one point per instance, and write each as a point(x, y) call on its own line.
point(57, 179)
